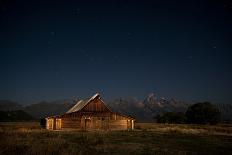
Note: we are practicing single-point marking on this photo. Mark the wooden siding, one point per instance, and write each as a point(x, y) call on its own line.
point(71, 123)
point(115, 116)
point(118, 125)
point(119, 122)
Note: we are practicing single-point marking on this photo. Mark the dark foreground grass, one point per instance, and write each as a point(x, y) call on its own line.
point(28, 138)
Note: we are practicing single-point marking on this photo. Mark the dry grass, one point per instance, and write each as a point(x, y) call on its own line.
point(28, 138)
point(222, 129)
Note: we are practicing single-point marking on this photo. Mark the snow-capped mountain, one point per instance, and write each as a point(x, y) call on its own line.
point(147, 109)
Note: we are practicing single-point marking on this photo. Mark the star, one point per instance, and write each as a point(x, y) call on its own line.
point(129, 35)
point(52, 33)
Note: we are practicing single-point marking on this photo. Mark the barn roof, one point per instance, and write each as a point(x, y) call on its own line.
point(82, 103)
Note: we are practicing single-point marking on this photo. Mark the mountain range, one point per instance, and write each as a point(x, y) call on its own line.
point(142, 110)
point(148, 108)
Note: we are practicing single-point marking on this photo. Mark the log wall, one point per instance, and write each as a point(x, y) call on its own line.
point(71, 123)
point(118, 125)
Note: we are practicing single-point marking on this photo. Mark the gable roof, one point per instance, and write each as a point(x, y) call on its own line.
point(82, 103)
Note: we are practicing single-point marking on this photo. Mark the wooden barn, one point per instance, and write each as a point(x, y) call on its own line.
point(92, 114)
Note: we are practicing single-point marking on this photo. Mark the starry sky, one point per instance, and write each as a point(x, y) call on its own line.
point(62, 49)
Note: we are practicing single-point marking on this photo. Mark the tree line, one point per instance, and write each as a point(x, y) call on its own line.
point(199, 113)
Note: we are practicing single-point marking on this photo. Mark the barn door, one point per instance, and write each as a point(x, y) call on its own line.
point(104, 124)
point(50, 123)
point(87, 124)
point(58, 124)
point(129, 124)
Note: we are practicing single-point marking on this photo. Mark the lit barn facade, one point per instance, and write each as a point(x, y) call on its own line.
point(92, 114)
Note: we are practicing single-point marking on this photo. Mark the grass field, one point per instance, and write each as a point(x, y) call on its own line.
point(148, 138)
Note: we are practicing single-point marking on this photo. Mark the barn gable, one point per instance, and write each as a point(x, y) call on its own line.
point(94, 104)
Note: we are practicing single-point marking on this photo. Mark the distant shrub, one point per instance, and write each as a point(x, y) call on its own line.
point(43, 123)
point(13, 116)
point(138, 127)
point(172, 117)
point(203, 113)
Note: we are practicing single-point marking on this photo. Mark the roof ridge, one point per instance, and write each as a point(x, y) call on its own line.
point(81, 104)
point(74, 107)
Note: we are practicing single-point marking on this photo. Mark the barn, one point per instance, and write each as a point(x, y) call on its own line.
point(91, 114)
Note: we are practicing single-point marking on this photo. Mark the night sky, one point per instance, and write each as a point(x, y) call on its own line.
point(53, 50)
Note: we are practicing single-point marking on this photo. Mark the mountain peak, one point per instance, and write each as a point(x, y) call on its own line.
point(151, 97)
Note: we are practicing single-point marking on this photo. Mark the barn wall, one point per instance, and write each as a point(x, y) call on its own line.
point(118, 124)
point(91, 120)
point(115, 116)
point(71, 121)
point(68, 123)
